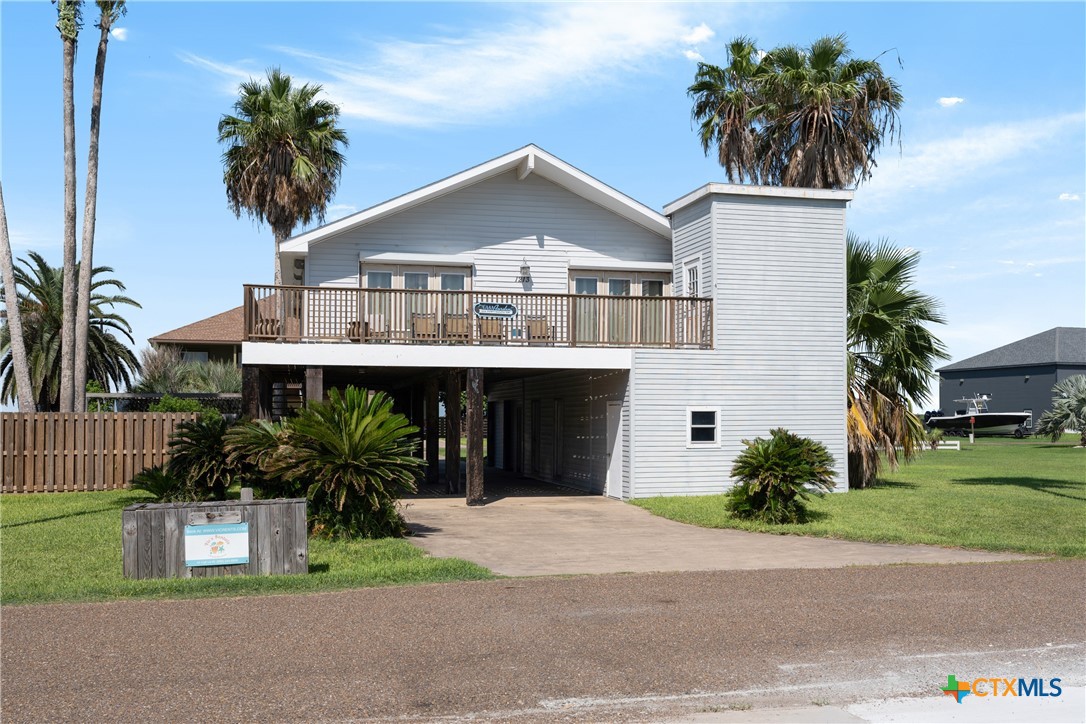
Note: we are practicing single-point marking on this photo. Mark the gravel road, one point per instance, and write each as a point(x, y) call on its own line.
point(610, 647)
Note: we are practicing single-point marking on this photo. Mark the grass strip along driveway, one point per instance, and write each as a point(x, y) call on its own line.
point(67, 547)
point(1027, 496)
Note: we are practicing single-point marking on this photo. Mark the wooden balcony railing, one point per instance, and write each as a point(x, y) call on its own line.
point(406, 316)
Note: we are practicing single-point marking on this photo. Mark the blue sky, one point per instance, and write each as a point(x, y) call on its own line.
point(988, 182)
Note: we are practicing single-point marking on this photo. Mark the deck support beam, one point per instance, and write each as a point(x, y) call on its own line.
point(431, 390)
point(452, 431)
point(475, 436)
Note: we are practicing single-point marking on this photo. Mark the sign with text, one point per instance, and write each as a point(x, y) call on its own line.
point(225, 544)
point(495, 310)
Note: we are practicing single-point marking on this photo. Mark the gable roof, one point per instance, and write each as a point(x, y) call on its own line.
point(223, 328)
point(1059, 345)
point(527, 160)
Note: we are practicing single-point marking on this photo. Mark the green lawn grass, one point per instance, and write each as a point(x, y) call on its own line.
point(67, 547)
point(999, 494)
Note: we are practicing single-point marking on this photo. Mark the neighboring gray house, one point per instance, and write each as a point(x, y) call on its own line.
point(1018, 376)
point(623, 351)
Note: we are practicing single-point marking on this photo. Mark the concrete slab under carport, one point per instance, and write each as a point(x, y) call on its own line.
point(541, 536)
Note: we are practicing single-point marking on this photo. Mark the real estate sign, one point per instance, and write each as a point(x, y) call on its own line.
point(224, 544)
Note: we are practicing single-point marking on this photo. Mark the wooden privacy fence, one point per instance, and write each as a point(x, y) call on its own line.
point(46, 452)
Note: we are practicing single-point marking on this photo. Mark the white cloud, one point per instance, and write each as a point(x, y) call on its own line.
point(119, 34)
point(1070, 197)
point(698, 35)
point(949, 101)
point(693, 55)
point(942, 163)
point(340, 210)
point(542, 55)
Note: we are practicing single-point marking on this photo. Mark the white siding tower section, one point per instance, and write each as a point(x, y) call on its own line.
point(774, 263)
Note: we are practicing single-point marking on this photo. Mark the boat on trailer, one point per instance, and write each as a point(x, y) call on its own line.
point(977, 418)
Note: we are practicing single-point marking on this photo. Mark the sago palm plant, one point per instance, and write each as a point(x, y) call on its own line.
point(354, 456)
point(198, 456)
point(775, 477)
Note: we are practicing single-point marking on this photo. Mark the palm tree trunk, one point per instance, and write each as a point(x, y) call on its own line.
point(24, 389)
point(67, 333)
point(86, 262)
point(281, 235)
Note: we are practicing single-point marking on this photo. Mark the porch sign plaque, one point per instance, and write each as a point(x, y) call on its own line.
point(495, 310)
point(224, 544)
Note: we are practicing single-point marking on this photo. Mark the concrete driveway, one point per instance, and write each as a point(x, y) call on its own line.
point(587, 534)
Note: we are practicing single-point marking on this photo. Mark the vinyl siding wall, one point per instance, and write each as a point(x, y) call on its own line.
point(778, 282)
point(499, 222)
point(584, 397)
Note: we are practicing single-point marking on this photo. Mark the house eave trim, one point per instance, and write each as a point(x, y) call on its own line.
point(632, 266)
point(392, 257)
point(781, 192)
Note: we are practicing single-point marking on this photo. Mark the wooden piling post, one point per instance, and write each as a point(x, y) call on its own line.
point(314, 384)
point(475, 436)
point(452, 431)
point(431, 430)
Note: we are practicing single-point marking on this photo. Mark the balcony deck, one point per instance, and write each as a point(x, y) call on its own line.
point(295, 314)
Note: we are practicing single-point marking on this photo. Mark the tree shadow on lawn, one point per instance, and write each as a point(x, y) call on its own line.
point(115, 505)
point(1043, 485)
point(886, 484)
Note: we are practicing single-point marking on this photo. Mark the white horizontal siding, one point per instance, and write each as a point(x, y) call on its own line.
point(666, 383)
point(584, 397)
point(692, 236)
point(499, 222)
point(776, 271)
point(780, 317)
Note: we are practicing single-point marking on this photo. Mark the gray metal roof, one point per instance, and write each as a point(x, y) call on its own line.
point(1059, 345)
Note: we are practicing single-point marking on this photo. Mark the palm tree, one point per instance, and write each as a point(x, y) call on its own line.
point(109, 360)
point(14, 325)
point(283, 159)
point(109, 11)
point(69, 21)
point(1068, 410)
point(811, 117)
point(891, 355)
point(723, 98)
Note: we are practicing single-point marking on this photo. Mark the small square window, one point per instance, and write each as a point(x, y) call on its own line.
point(703, 427)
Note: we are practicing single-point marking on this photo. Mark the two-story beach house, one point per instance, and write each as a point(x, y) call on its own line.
point(621, 350)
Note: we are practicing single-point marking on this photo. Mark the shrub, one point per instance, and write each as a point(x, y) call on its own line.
point(162, 486)
point(214, 377)
point(353, 456)
point(774, 477)
point(933, 437)
point(252, 447)
point(198, 457)
point(169, 403)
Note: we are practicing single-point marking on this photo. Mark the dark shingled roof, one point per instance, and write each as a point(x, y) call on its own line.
point(1059, 345)
point(223, 328)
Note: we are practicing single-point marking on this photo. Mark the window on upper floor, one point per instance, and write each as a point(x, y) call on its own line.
point(414, 277)
point(620, 283)
point(691, 277)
